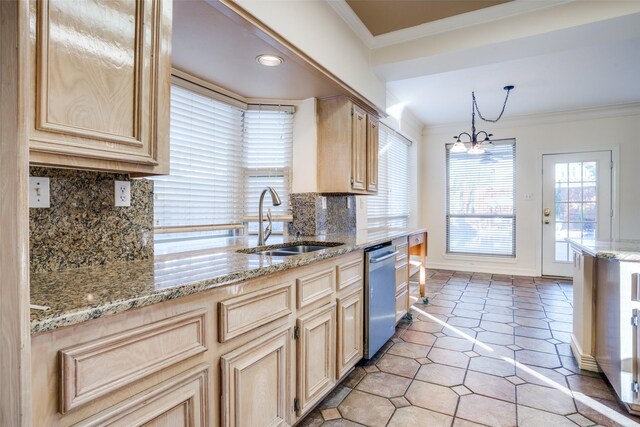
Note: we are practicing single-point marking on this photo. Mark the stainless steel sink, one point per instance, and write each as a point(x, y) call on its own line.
point(290, 249)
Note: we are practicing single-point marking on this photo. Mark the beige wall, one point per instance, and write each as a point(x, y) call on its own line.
point(305, 153)
point(316, 29)
point(615, 129)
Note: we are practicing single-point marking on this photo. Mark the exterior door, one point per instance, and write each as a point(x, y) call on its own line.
point(576, 204)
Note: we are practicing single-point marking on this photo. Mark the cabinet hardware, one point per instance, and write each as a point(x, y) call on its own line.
point(296, 332)
point(634, 319)
point(296, 404)
point(635, 387)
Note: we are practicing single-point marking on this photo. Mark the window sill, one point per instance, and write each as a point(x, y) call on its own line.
point(480, 258)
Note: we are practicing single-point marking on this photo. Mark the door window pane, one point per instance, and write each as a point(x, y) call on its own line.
point(576, 208)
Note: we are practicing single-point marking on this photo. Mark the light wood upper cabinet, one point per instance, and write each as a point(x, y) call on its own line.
point(100, 84)
point(347, 134)
point(316, 356)
point(359, 149)
point(372, 154)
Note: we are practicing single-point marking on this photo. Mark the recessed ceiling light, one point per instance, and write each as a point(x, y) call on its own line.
point(269, 60)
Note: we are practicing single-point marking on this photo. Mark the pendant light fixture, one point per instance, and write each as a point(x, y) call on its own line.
point(474, 137)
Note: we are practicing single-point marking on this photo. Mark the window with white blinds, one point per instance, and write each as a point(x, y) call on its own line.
point(221, 158)
point(390, 207)
point(267, 142)
point(481, 216)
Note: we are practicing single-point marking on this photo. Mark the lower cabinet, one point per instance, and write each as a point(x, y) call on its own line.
point(255, 382)
point(350, 327)
point(179, 401)
point(401, 304)
point(316, 356)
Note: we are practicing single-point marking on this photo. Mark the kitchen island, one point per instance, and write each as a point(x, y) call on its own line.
point(605, 318)
point(188, 334)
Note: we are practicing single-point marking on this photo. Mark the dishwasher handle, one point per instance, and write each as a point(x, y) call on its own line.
point(384, 257)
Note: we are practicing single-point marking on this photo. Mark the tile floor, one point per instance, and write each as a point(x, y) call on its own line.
point(487, 350)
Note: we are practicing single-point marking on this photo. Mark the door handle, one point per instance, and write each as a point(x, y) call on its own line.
point(546, 221)
point(546, 211)
point(382, 258)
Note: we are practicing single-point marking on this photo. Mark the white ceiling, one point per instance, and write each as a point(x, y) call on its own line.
point(592, 62)
point(218, 49)
point(598, 75)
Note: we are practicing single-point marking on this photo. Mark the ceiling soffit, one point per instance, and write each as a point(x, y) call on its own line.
point(385, 16)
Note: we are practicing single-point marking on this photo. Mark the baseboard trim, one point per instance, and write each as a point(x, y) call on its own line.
point(487, 267)
point(585, 361)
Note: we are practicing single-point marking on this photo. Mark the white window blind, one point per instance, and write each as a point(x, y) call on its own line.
point(268, 141)
point(390, 207)
point(480, 201)
point(220, 155)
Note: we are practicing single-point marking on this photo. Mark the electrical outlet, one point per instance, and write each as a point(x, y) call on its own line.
point(39, 192)
point(348, 202)
point(324, 202)
point(123, 193)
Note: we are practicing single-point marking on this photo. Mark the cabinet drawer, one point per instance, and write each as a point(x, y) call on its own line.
point(416, 239)
point(349, 273)
point(315, 287)
point(247, 312)
point(403, 251)
point(402, 300)
point(402, 275)
point(179, 401)
point(93, 369)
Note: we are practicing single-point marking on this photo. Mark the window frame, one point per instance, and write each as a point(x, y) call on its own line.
point(388, 220)
point(239, 225)
point(512, 216)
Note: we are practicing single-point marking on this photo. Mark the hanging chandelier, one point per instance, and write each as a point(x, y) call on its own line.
point(474, 138)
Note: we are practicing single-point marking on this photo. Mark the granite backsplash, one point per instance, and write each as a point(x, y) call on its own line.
point(83, 227)
point(310, 218)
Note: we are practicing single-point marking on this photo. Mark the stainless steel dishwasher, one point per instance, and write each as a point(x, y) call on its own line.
point(380, 301)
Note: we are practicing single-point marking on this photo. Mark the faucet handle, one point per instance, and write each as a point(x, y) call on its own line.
point(267, 232)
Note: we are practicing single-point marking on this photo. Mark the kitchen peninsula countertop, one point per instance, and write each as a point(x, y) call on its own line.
point(622, 250)
point(176, 270)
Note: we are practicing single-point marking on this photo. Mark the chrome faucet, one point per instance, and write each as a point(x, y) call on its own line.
point(276, 202)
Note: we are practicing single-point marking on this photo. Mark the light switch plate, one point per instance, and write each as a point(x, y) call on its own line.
point(324, 202)
point(123, 193)
point(528, 197)
point(39, 192)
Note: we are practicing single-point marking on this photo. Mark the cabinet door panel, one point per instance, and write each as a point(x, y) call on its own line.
point(255, 383)
point(359, 149)
point(372, 155)
point(402, 302)
point(179, 401)
point(100, 92)
point(316, 355)
point(350, 332)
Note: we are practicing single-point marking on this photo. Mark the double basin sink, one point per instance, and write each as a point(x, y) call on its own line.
point(288, 249)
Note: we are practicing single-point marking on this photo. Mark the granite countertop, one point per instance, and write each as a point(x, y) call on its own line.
point(623, 250)
point(176, 270)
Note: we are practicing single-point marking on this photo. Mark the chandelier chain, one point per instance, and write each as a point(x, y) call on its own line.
point(475, 107)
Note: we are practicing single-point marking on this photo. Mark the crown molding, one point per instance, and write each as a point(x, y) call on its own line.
point(469, 19)
point(594, 113)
